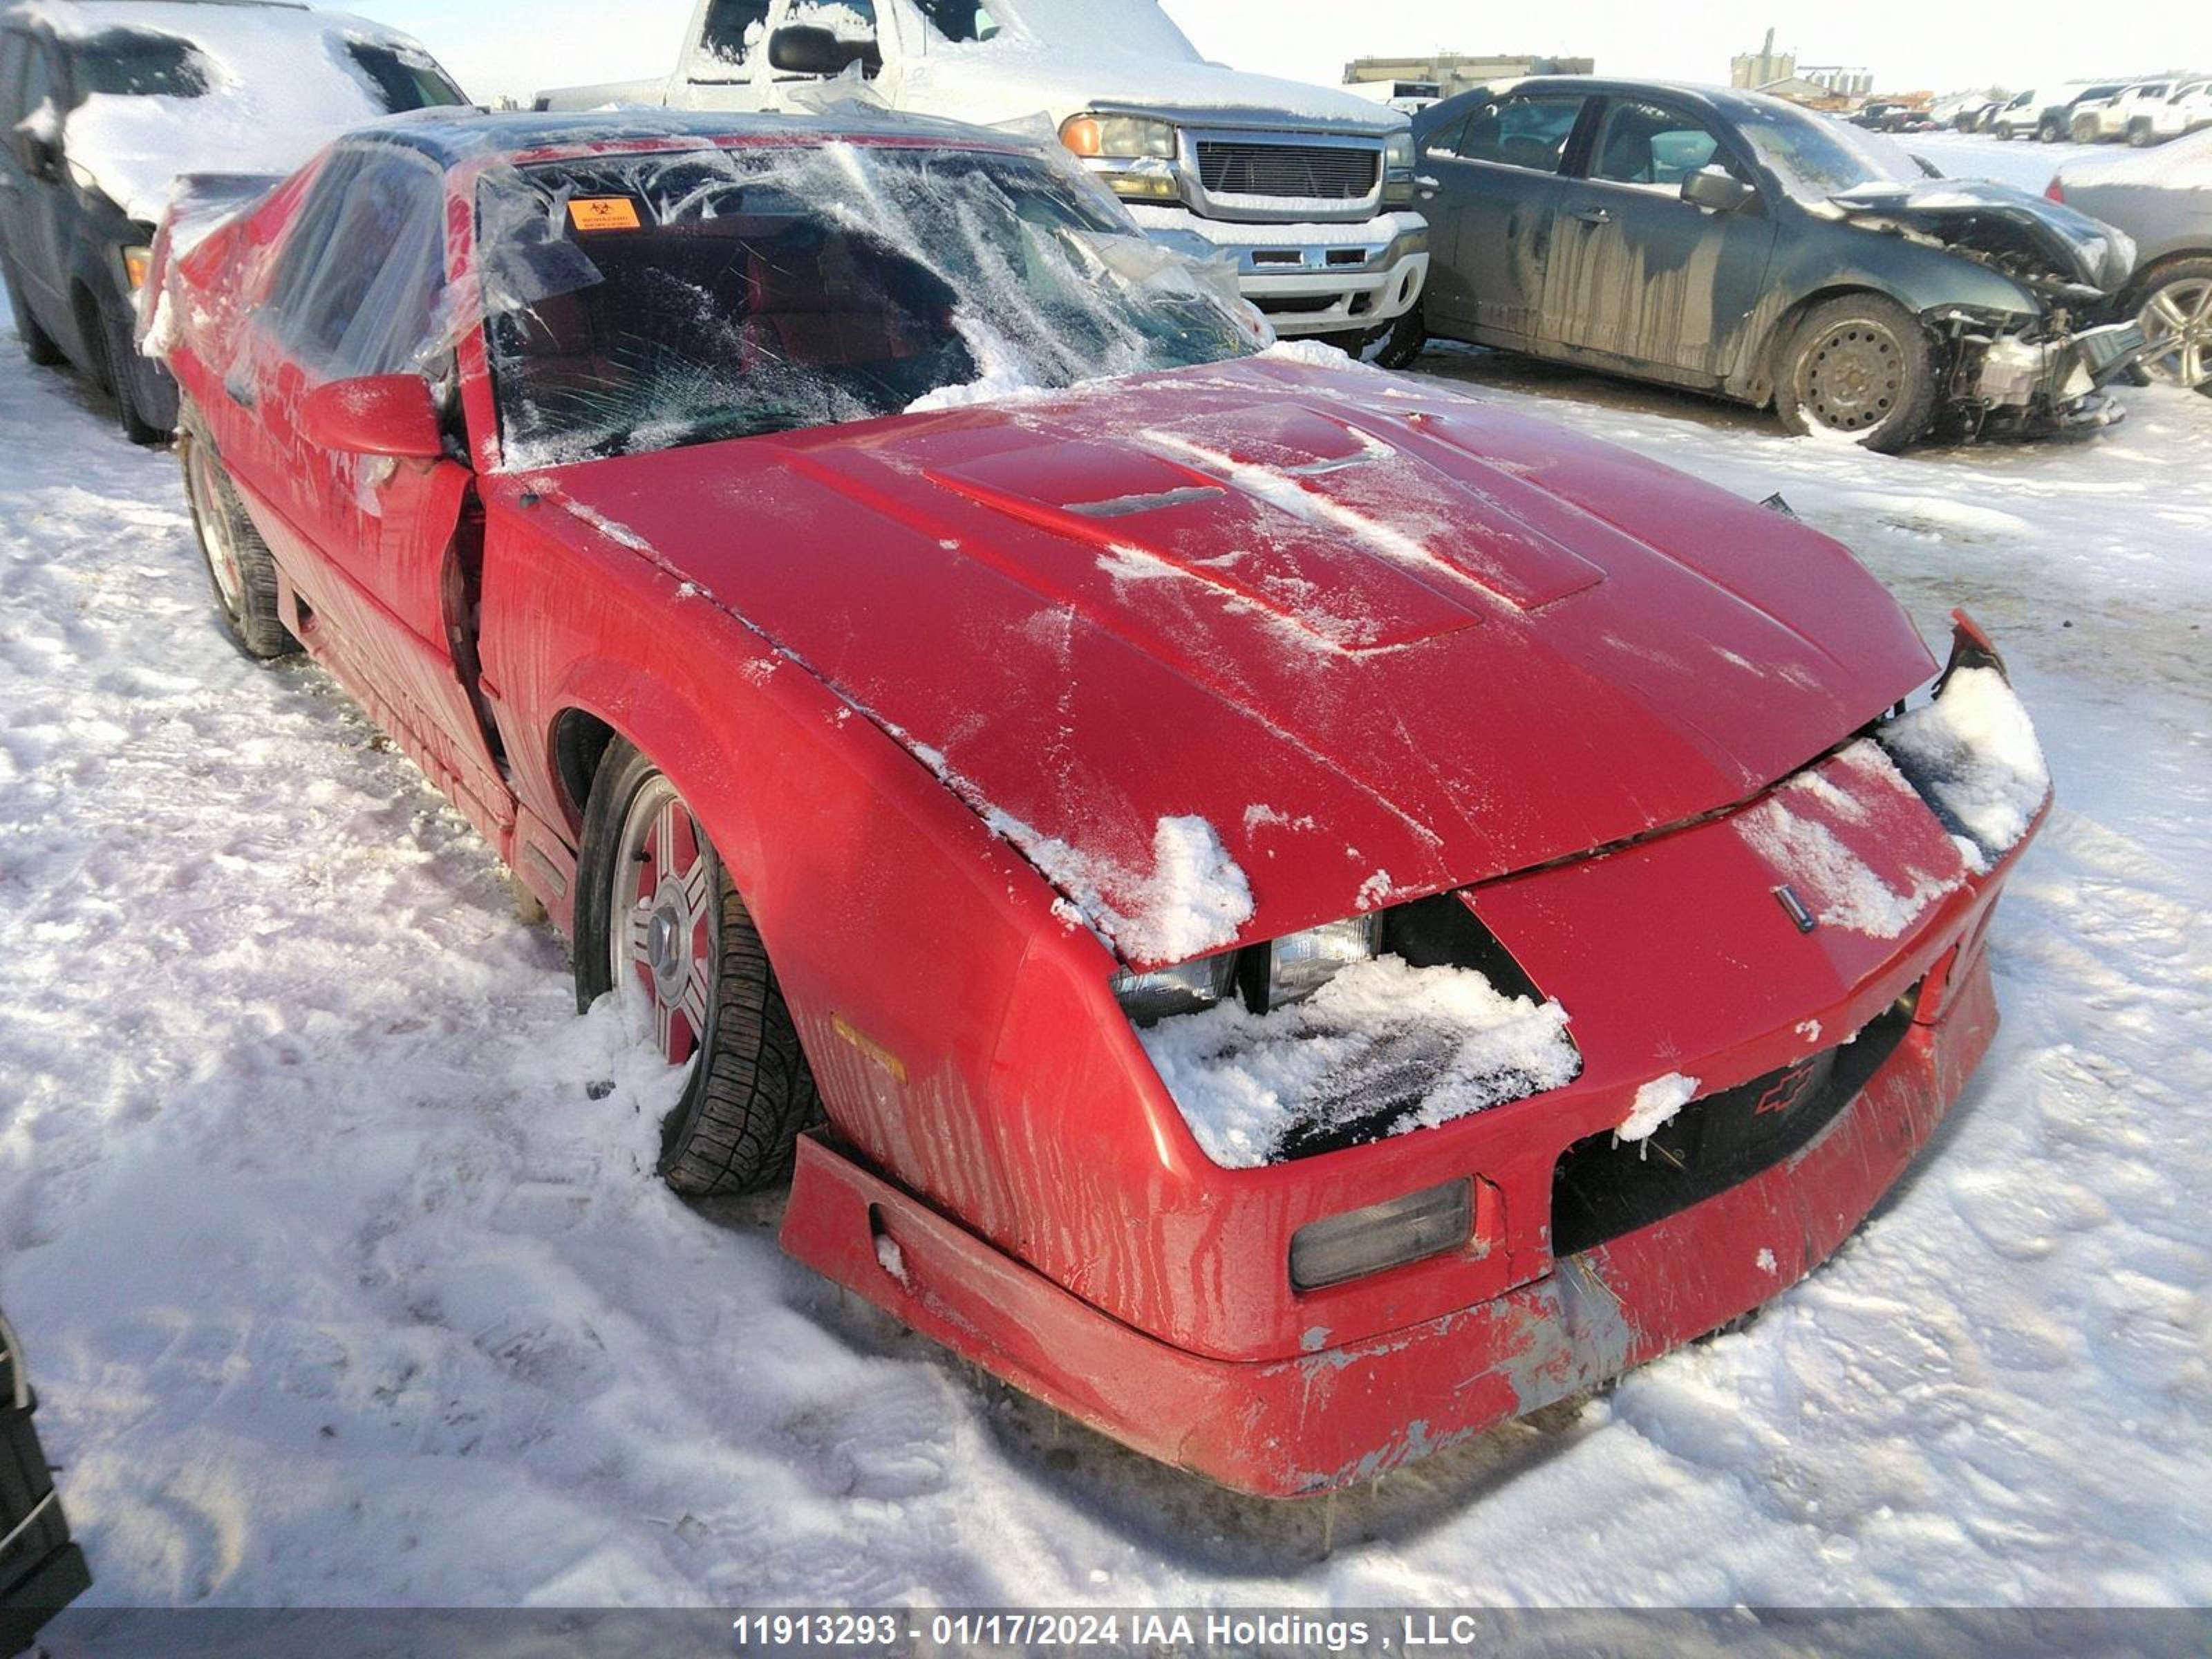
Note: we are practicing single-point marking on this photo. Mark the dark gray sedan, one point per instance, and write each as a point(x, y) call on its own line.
point(2162, 199)
point(1737, 245)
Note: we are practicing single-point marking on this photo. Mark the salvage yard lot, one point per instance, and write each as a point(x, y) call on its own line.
point(342, 1290)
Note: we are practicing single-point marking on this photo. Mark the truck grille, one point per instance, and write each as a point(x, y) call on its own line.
point(1313, 171)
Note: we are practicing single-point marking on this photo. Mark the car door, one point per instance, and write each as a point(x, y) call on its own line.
point(370, 542)
point(1646, 277)
point(729, 51)
point(1496, 193)
point(39, 206)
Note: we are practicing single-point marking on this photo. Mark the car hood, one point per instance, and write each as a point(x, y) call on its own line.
point(2001, 220)
point(1006, 81)
point(1383, 640)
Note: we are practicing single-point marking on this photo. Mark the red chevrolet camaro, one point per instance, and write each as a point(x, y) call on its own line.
point(1291, 913)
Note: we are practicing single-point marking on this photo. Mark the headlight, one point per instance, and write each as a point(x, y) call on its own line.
point(1373, 1241)
point(138, 262)
point(1291, 969)
point(1147, 999)
point(1119, 138)
point(1398, 154)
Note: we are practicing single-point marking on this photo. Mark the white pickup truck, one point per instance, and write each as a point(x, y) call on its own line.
point(1311, 189)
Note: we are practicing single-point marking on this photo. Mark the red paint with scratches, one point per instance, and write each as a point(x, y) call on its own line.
point(1466, 649)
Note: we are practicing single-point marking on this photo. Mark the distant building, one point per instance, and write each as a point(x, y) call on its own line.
point(1763, 68)
point(1456, 72)
point(1844, 83)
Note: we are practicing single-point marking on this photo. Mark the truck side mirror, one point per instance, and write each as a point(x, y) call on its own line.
point(1717, 190)
point(801, 49)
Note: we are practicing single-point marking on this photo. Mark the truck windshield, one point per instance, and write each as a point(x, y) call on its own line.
point(1815, 158)
point(129, 63)
point(646, 302)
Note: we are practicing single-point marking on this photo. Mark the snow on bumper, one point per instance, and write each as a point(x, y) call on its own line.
point(1314, 278)
point(1338, 1415)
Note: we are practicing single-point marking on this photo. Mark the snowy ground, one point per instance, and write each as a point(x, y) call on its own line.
point(341, 1289)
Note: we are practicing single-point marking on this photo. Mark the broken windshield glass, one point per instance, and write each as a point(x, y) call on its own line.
point(640, 302)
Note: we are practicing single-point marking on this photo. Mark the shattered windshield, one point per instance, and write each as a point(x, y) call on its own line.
point(646, 302)
point(1815, 158)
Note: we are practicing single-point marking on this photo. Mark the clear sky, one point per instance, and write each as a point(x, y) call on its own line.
point(516, 46)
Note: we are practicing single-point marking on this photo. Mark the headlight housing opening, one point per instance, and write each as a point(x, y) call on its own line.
point(1267, 977)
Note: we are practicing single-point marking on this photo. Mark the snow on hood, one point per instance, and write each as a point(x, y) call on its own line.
point(1355, 626)
point(1008, 78)
point(281, 85)
point(2081, 249)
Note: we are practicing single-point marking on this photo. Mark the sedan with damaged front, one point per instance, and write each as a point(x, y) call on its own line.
point(1734, 244)
point(1291, 913)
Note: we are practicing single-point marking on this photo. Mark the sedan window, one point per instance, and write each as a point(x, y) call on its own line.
point(1529, 131)
point(406, 81)
point(1650, 144)
point(1814, 158)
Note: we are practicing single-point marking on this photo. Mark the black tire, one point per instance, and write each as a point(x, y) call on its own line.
point(241, 571)
point(1394, 345)
point(2140, 135)
point(2187, 284)
point(2050, 130)
point(1858, 366)
point(37, 345)
point(123, 376)
point(751, 1094)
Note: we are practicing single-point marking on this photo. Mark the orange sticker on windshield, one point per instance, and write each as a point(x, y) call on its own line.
point(589, 213)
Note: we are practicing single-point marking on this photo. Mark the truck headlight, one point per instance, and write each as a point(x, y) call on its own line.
point(1119, 138)
point(1398, 154)
point(1147, 999)
point(1385, 1235)
point(1291, 969)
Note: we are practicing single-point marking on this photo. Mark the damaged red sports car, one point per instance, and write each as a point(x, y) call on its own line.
point(1289, 913)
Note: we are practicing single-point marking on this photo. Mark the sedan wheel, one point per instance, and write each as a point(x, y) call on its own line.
point(239, 568)
point(1858, 368)
point(658, 923)
point(2177, 320)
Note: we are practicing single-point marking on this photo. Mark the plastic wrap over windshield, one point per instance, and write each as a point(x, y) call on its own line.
point(646, 302)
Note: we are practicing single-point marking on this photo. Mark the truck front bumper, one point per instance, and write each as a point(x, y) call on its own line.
point(1337, 1415)
point(1315, 278)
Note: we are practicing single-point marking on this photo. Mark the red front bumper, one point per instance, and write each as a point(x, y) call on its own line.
point(1289, 1428)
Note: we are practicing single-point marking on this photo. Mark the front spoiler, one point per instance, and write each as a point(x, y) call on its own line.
point(1337, 1416)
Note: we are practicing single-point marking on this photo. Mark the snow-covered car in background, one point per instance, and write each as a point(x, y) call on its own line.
point(41, 1571)
point(104, 103)
point(2108, 119)
point(2046, 113)
point(1319, 915)
point(1308, 190)
point(2163, 201)
point(1962, 112)
point(1735, 244)
point(2187, 110)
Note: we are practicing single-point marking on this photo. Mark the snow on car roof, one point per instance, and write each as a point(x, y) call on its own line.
point(281, 83)
point(2183, 164)
point(465, 134)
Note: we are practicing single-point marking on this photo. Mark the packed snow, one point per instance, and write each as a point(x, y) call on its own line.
point(1657, 1105)
point(1441, 1041)
point(1193, 901)
point(345, 1279)
point(1973, 752)
point(279, 84)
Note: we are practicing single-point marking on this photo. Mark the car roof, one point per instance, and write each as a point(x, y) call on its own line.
point(456, 136)
point(1723, 100)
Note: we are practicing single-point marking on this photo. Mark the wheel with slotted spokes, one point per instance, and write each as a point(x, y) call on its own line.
point(2177, 320)
point(658, 923)
point(1858, 368)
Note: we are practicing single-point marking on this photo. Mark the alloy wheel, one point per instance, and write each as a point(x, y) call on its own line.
point(2178, 323)
point(664, 936)
point(218, 537)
